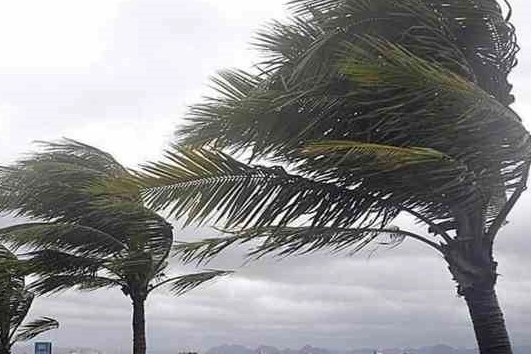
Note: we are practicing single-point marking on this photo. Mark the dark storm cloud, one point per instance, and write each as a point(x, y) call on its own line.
point(126, 89)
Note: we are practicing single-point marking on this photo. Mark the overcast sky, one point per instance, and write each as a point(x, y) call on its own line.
point(119, 75)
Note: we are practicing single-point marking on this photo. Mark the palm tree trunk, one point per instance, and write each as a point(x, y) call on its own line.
point(139, 327)
point(487, 318)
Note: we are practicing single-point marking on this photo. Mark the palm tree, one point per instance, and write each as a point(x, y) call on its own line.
point(370, 109)
point(15, 303)
point(90, 228)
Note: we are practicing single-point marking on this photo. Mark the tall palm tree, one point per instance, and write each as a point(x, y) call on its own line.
point(371, 109)
point(15, 303)
point(91, 230)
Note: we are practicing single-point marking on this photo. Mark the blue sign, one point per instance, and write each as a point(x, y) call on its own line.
point(43, 348)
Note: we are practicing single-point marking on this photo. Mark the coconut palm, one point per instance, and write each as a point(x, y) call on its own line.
point(369, 109)
point(90, 229)
point(15, 303)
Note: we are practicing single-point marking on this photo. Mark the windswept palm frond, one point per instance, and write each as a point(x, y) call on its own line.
point(81, 154)
point(203, 251)
point(424, 174)
point(53, 184)
point(470, 126)
point(53, 284)
point(183, 284)
point(48, 261)
point(20, 301)
point(471, 39)
point(202, 183)
point(84, 240)
point(384, 156)
point(282, 43)
point(34, 328)
point(288, 241)
point(475, 33)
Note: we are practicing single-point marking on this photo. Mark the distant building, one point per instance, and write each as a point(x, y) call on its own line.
point(43, 348)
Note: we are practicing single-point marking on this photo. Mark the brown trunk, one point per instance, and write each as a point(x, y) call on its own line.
point(488, 321)
point(139, 327)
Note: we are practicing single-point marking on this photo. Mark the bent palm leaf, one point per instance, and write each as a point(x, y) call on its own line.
point(287, 241)
point(34, 328)
point(182, 284)
point(202, 183)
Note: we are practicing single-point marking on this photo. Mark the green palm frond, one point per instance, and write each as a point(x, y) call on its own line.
point(9, 267)
point(304, 240)
point(84, 240)
point(49, 261)
point(471, 126)
point(201, 183)
point(54, 184)
point(400, 172)
point(20, 301)
point(474, 33)
point(203, 251)
point(34, 328)
point(53, 284)
point(180, 285)
point(375, 63)
point(287, 241)
point(473, 41)
point(386, 156)
point(80, 154)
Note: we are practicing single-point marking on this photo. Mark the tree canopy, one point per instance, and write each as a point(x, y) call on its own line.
point(89, 227)
point(359, 111)
point(15, 303)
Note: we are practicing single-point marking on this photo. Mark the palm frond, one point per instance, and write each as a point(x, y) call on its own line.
point(81, 154)
point(49, 261)
point(474, 33)
point(182, 284)
point(479, 131)
point(386, 156)
point(288, 241)
point(34, 328)
point(84, 240)
point(53, 284)
point(202, 183)
point(20, 301)
point(424, 174)
point(471, 39)
point(138, 227)
point(203, 251)
point(9, 270)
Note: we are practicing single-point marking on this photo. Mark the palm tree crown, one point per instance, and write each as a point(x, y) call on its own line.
point(371, 109)
point(93, 230)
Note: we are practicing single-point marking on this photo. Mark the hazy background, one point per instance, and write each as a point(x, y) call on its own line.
point(119, 75)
